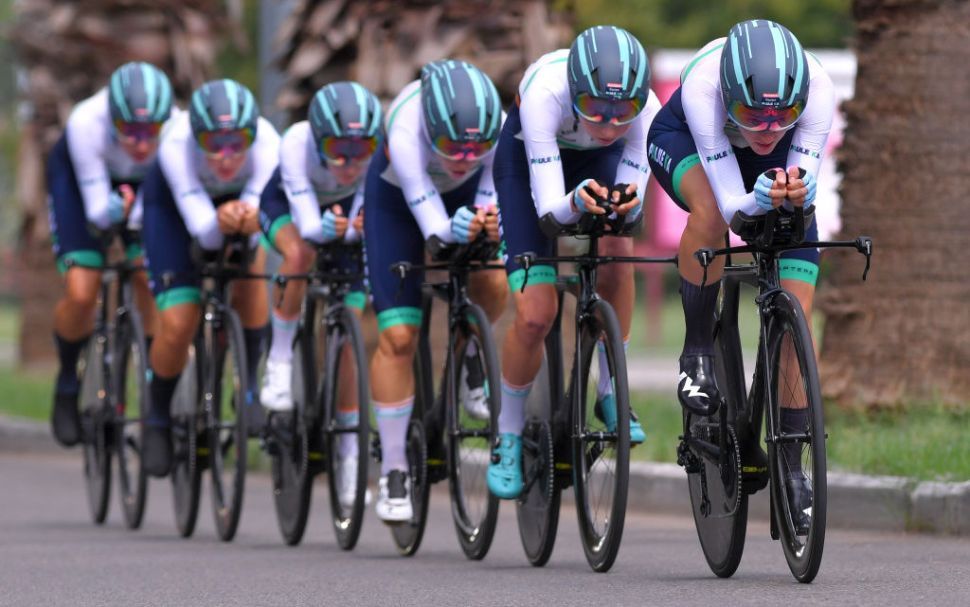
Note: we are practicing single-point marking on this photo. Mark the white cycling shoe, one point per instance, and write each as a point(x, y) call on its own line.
point(472, 390)
point(276, 395)
point(394, 497)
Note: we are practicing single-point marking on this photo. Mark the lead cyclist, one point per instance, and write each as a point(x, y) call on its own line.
point(743, 108)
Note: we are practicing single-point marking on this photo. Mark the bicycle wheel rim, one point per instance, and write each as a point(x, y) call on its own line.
point(95, 413)
point(289, 448)
point(601, 455)
point(132, 408)
point(347, 438)
point(226, 426)
point(408, 535)
point(789, 340)
point(186, 465)
point(473, 507)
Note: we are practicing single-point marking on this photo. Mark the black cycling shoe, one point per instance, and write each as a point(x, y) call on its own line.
point(65, 419)
point(255, 418)
point(696, 389)
point(157, 450)
point(800, 497)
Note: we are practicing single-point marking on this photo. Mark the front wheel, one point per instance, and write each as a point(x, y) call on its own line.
point(346, 426)
point(601, 437)
point(131, 409)
point(407, 535)
point(226, 383)
point(474, 363)
point(96, 427)
point(796, 439)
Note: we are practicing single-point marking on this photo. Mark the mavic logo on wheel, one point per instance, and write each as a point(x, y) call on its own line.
point(689, 386)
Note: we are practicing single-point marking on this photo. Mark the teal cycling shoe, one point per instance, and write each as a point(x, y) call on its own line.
point(505, 470)
point(605, 411)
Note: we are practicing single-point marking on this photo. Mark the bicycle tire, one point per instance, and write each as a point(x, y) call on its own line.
point(187, 466)
point(474, 510)
point(228, 347)
point(346, 333)
point(600, 528)
point(722, 525)
point(786, 319)
point(96, 419)
point(537, 509)
point(290, 445)
point(131, 383)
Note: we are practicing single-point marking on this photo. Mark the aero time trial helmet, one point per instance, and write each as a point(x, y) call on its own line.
point(764, 76)
point(462, 109)
point(345, 119)
point(609, 75)
point(224, 116)
point(139, 99)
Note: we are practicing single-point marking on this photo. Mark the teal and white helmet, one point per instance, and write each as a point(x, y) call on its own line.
point(764, 75)
point(344, 109)
point(139, 92)
point(460, 103)
point(223, 105)
point(608, 63)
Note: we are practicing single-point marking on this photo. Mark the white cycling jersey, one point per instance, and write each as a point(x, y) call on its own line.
point(194, 185)
point(310, 187)
point(98, 159)
point(417, 169)
point(549, 123)
point(714, 133)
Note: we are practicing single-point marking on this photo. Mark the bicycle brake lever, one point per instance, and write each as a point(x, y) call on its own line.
point(863, 244)
point(525, 260)
point(705, 257)
point(281, 290)
point(401, 269)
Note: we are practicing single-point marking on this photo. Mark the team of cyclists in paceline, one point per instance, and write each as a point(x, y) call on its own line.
point(444, 162)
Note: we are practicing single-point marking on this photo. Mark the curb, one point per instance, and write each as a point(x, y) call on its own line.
point(855, 501)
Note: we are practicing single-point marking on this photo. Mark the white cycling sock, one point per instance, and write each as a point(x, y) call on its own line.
point(347, 441)
point(284, 330)
point(511, 418)
point(604, 386)
point(392, 425)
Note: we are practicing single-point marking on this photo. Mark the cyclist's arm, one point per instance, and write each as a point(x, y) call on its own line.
point(633, 167)
point(812, 131)
point(86, 138)
point(175, 156)
point(304, 204)
point(352, 234)
point(706, 116)
point(409, 159)
point(265, 156)
point(540, 113)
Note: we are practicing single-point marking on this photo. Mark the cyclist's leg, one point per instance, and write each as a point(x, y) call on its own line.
point(676, 166)
point(535, 306)
point(391, 235)
point(280, 231)
point(251, 300)
point(74, 312)
point(174, 282)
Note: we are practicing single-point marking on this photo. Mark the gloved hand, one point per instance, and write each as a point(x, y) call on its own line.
point(464, 225)
point(581, 194)
point(770, 186)
point(329, 226)
point(116, 208)
point(811, 185)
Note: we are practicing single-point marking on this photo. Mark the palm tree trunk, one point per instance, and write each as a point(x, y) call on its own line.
point(903, 338)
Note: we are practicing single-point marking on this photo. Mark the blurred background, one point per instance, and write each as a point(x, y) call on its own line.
point(895, 351)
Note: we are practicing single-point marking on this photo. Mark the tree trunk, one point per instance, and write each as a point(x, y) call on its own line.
point(903, 338)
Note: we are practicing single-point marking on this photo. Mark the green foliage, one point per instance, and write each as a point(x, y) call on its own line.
point(693, 23)
point(242, 65)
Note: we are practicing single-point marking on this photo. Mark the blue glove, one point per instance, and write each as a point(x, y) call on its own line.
point(116, 208)
point(461, 223)
point(577, 201)
point(811, 185)
point(762, 189)
point(329, 226)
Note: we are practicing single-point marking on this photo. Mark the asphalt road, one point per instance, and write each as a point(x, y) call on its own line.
point(51, 554)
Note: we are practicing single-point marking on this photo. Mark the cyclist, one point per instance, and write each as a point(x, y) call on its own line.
point(316, 195)
point(212, 166)
point(581, 116)
point(93, 174)
point(743, 108)
point(434, 183)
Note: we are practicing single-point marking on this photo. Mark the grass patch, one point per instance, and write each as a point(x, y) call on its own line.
point(26, 394)
point(926, 443)
point(9, 322)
